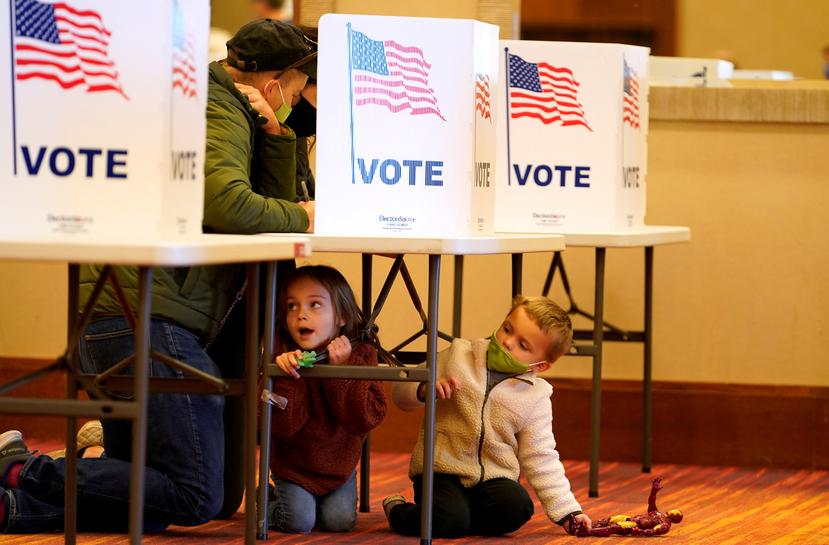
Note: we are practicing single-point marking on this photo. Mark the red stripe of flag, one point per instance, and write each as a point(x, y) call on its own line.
point(557, 102)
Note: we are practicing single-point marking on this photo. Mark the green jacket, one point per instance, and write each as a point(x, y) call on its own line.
point(249, 186)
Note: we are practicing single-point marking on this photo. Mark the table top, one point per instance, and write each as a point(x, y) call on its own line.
point(206, 249)
point(471, 245)
point(648, 235)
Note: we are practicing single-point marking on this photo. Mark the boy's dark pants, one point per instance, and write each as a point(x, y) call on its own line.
point(490, 508)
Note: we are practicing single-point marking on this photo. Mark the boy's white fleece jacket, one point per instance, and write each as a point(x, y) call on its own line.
point(480, 439)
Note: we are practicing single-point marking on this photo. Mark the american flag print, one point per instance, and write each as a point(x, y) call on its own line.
point(544, 92)
point(392, 75)
point(184, 62)
point(63, 44)
point(482, 96)
point(630, 98)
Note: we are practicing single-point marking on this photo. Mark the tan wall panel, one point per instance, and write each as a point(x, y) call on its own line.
point(757, 34)
point(229, 14)
point(504, 13)
point(32, 310)
point(746, 301)
point(427, 8)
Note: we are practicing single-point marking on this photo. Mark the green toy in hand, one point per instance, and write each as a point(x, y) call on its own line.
point(308, 359)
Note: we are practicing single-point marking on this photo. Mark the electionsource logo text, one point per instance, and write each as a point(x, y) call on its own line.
point(397, 219)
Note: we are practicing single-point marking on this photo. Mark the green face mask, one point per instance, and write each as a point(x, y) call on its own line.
point(283, 111)
point(499, 359)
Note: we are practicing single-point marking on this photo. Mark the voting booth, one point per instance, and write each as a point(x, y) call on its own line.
point(571, 136)
point(405, 126)
point(102, 106)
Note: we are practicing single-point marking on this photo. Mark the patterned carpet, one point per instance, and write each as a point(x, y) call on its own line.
point(722, 506)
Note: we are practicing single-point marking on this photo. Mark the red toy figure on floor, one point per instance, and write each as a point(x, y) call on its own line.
point(653, 523)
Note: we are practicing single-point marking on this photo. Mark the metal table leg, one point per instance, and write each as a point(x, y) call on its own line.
point(265, 428)
point(139, 423)
point(70, 492)
point(596, 397)
point(517, 273)
point(365, 457)
point(251, 376)
point(457, 296)
point(429, 422)
point(647, 410)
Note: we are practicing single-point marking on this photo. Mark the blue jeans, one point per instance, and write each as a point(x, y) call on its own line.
point(297, 511)
point(185, 447)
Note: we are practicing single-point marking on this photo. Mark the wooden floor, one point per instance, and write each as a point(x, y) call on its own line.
point(722, 506)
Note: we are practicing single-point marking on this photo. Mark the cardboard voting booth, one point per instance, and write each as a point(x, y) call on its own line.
point(102, 106)
point(405, 126)
point(571, 136)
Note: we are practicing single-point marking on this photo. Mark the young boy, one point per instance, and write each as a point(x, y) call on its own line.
point(493, 421)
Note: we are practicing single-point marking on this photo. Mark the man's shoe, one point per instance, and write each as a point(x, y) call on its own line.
point(12, 451)
point(91, 434)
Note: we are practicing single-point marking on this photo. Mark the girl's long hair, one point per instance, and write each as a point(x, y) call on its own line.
point(342, 301)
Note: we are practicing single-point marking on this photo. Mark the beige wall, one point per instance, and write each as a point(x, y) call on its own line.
point(756, 34)
point(746, 301)
point(231, 14)
point(32, 310)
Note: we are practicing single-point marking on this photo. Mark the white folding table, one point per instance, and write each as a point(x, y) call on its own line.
point(516, 245)
point(251, 250)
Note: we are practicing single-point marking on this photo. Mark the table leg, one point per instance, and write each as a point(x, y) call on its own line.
point(70, 495)
point(251, 376)
point(72, 296)
point(429, 417)
point(647, 410)
point(596, 397)
point(517, 273)
point(365, 457)
point(457, 296)
point(139, 424)
point(267, 384)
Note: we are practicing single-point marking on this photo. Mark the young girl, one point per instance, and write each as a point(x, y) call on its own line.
point(317, 438)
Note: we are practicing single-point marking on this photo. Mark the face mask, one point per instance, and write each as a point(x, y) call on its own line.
point(303, 119)
point(499, 359)
point(283, 111)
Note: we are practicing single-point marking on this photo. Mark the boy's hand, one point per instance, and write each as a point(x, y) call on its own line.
point(446, 386)
point(339, 351)
point(582, 519)
point(288, 362)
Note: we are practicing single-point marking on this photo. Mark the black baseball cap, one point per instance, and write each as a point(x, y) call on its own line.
point(265, 44)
